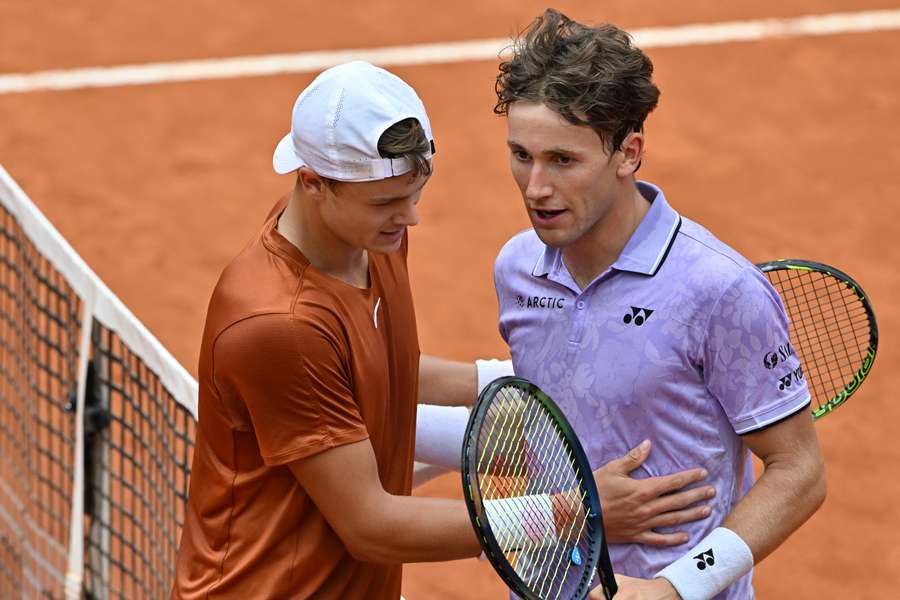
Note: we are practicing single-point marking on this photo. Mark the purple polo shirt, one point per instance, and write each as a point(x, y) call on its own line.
point(681, 340)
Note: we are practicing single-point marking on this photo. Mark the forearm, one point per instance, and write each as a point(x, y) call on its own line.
point(784, 497)
point(446, 382)
point(411, 529)
point(790, 489)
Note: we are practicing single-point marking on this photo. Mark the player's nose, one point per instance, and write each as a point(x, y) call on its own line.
point(409, 216)
point(538, 184)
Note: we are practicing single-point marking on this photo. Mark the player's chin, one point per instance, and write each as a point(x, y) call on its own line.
point(555, 238)
point(386, 243)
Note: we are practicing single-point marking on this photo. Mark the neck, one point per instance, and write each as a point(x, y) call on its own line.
point(301, 224)
point(594, 252)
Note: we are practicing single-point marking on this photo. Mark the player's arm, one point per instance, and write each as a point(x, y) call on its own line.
point(444, 382)
point(291, 375)
point(377, 526)
point(789, 491)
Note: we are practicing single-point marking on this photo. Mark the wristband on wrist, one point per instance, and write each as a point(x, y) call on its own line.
point(720, 559)
point(489, 370)
point(523, 522)
point(439, 435)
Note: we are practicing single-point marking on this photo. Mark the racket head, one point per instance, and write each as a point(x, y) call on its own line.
point(832, 325)
point(519, 448)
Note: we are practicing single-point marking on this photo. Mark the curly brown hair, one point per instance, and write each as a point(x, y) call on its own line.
point(589, 75)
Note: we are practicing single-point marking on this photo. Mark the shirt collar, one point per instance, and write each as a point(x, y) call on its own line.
point(648, 246)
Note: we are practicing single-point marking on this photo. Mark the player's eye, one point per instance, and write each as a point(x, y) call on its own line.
point(562, 159)
point(520, 155)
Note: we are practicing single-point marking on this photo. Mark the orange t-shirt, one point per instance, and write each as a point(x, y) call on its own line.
point(294, 362)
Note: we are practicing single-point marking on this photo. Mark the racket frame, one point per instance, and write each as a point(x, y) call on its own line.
point(598, 556)
point(862, 372)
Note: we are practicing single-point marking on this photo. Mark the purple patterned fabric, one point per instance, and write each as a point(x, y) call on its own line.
point(682, 341)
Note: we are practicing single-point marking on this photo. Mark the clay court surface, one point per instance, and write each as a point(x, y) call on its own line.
point(782, 147)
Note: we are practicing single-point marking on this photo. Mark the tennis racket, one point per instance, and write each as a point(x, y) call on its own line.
point(832, 324)
point(531, 495)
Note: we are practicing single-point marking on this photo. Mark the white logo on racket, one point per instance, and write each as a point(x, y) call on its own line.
point(375, 313)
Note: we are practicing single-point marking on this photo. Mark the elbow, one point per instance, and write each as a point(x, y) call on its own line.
point(368, 549)
point(367, 541)
point(820, 488)
point(816, 487)
point(360, 550)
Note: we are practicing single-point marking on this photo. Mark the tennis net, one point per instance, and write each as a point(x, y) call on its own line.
point(97, 423)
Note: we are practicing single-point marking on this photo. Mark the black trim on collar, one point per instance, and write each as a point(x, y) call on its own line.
point(668, 248)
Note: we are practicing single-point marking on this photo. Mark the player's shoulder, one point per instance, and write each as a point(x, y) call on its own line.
point(718, 267)
point(260, 297)
point(254, 282)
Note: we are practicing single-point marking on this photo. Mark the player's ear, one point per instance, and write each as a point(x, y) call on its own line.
point(632, 152)
point(310, 181)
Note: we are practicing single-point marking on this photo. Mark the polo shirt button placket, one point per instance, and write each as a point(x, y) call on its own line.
point(577, 329)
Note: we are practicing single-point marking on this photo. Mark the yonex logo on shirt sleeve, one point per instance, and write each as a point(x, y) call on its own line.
point(792, 377)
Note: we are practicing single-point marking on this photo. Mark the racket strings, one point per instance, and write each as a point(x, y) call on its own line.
point(551, 554)
point(527, 472)
point(502, 465)
point(497, 457)
point(819, 332)
point(830, 325)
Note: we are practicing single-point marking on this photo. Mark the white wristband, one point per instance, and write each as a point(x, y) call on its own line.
point(439, 435)
point(720, 559)
point(522, 522)
point(489, 370)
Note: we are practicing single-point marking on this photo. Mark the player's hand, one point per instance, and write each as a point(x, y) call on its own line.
point(632, 508)
point(640, 589)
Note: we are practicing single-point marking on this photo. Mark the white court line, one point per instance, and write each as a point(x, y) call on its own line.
point(304, 62)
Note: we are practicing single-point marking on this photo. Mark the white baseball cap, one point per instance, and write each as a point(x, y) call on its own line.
point(339, 118)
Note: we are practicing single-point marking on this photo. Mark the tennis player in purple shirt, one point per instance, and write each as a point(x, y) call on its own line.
point(639, 323)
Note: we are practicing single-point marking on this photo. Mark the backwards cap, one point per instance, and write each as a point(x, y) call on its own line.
point(339, 118)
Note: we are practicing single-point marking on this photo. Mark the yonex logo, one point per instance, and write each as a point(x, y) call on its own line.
point(705, 559)
point(576, 557)
point(791, 378)
point(540, 302)
point(638, 315)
